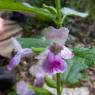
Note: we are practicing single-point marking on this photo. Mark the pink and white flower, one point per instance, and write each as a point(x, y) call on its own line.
point(53, 59)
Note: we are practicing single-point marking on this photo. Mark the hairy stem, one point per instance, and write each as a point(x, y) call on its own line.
point(58, 84)
point(58, 7)
point(59, 24)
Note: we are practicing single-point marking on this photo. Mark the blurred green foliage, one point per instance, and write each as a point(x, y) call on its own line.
point(82, 5)
point(38, 3)
point(75, 24)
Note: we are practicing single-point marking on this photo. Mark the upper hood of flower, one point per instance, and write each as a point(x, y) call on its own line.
point(54, 35)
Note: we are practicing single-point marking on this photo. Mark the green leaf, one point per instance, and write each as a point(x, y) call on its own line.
point(40, 91)
point(50, 8)
point(8, 0)
point(37, 50)
point(86, 54)
point(74, 71)
point(50, 82)
point(41, 13)
point(32, 42)
point(13, 6)
point(71, 12)
point(12, 93)
point(83, 59)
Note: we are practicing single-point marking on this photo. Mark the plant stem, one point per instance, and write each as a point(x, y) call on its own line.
point(59, 24)
point(58, 84)
point(58, 7)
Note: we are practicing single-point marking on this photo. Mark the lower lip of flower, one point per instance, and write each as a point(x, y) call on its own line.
point(55, 67)
point(55, 64)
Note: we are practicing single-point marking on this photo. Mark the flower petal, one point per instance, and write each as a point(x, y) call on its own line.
point(54, 64)
point(23, 89)
point(14, 61)
point(38, 82)
point(16, 44)
point(54, 35)
point(66, 53)
point(43, 54)
point(26, 52)
point(37, 71)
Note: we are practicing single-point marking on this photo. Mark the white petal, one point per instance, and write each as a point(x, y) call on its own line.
point(54, 35)
point(26, 52)
point(37, 71)
point(66, 53)
point(16, 44)
point(14, 61)
point(43, 54)
point(21, 88)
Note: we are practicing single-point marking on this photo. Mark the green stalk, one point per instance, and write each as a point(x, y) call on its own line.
point(59, 24)
point(58, 82)
point(58, 7)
